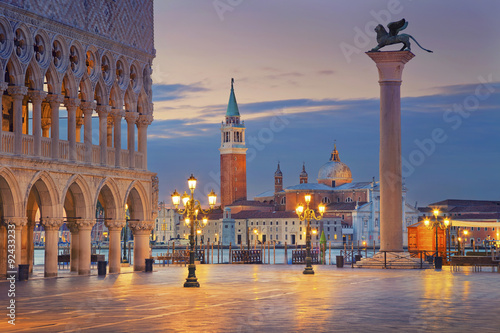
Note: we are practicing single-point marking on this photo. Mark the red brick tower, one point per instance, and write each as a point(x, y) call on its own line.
point(233, 163)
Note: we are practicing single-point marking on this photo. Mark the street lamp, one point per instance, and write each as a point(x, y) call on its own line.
point(308, 214)
point(191, 209)
point(442, 224)
point(125, 237)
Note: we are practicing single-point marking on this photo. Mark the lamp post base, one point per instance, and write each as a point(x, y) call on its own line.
point(308, 270)
point(192, 280)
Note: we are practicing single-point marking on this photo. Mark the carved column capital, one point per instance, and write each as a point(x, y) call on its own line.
point(54, 99)
point(103, 110)
point(110, 120)
point(88, 106)
point(3, 86)
point(144, 120)
point(19, 222)
point(131, 116)
point(71, 102)
point(46, 122)
point(85, 224)
point(72, 226)
point(51, 223)
point(17, 92)
point(115, 224)
point(141, 225)
point(37, 95)
point(117, 113)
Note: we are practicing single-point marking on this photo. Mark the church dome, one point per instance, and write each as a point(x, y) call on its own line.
point(334, 173)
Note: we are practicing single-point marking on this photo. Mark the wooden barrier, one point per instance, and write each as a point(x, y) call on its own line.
point(246, 257)
point(299, 256)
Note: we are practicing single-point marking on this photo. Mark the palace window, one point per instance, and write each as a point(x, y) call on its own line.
point(326, 200)
point(283, 201)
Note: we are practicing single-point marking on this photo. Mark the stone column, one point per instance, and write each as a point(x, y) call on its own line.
point(51, 226)
point(75, 246)
point(109, 131)
point(390, 66)
point(141, 231)
point(117, 120)
point(17, 93)
point(87, 109)
point(131, 118)
point(55, 102)
point(19, 223)
point(71, 105)
point(114, 257)
point(84, 243)
point(37, 96)
point(142, 132)
point(79, 123)
point(103, 110)
point(3, 87)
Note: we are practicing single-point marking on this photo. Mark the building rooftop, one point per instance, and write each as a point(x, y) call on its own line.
point(356, 186)
point(344, 205)
point(310, 187)
point(460, 202)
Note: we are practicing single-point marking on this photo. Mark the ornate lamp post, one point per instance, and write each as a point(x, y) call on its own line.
point(191, 209)
point(308, 214)
point(442, 224)
point(125, 237)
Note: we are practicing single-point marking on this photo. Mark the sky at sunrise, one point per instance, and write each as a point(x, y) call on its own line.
point(302, 80)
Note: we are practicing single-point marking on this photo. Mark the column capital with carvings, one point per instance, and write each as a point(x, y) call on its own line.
point(72, 226)
point(88, 106)
point(54, 99)
point(37, 95)
point(17, 91)
point(131, 116)
point(144, 120)
point(115, 224)
point(51, 223)
point(141, 225)
point(85, 224)
point(103, 110)
point(71, 102)
point(19, 222)
point(117, 113)
point(3, 86)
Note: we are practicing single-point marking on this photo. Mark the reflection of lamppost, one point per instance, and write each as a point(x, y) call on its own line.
point(438, 224)
point(256, 232)
point(125, 236)
point(466, 232)
point(192, 208)
point(308, 214)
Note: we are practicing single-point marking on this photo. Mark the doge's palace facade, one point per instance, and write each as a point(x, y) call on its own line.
point(74, 72)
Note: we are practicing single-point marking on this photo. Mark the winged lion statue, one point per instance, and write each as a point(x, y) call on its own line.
point(385, 38)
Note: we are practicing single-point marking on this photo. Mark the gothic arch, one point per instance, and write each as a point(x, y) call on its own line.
point(108, 194)
point(136, 199)
point(79, 197)
point(34, 76)
point(100, 94)
point(14, 74)
point(143, 103)
point(10, 193)
point(86, 91)
point(53, 81)
point(115, 97)
point(70, 85)
point(130, 100)
point(47, 199)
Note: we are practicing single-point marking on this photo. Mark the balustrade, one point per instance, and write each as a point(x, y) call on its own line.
point(28, 146)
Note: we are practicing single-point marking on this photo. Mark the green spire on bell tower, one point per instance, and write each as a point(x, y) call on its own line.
point(232, 106)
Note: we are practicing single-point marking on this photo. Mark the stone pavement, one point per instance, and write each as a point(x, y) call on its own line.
point(259, 298)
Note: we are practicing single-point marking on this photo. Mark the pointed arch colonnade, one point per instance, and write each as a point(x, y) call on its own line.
point(51, 68)
point(72, 199)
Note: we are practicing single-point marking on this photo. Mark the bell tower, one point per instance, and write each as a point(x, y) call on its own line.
point(233, 164)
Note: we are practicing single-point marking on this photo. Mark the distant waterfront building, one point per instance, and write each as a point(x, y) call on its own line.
point(165, 224)
point(355, 204)
point(77, 75)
